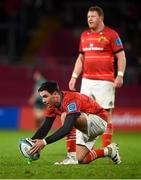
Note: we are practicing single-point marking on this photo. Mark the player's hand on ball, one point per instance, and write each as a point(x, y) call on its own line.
point(39, 144)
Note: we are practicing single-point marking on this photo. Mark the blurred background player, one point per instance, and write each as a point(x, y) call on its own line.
point(99, 47)
point(36, 101)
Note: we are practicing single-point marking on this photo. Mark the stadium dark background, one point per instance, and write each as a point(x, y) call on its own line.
point(44, 35)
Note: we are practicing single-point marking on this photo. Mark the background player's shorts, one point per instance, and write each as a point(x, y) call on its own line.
point(102, 91)
point(95, 126)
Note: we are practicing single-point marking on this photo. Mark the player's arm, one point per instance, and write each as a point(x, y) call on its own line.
point(60, 133)
point(76, 71)
point(121, 65)
point(65, 129)
point(78, 65)
point(121, 61)
point(44, 129)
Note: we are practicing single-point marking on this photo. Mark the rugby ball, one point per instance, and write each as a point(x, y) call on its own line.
point(25, 146)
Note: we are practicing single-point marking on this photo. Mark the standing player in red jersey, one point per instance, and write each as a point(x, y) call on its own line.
point(79, 111)
point(99, 47)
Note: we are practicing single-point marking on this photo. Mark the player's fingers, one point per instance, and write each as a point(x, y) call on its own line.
point(33, 150)
point(33, 147)
point(117, 85)
point(71, 87)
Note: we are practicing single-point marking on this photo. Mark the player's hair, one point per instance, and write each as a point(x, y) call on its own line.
point(98, 9)
point(49, 86)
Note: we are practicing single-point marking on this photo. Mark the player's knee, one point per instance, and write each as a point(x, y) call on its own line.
point(80, 158)
point(81, 152)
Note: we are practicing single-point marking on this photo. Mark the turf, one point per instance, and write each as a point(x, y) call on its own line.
point(14, 166)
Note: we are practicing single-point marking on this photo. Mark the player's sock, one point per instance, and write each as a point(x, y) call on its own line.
point(107, 136)
point(93, 154)
point(71, 143)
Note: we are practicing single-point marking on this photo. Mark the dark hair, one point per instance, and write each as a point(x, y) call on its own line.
point(98, 9)
point(49, 86)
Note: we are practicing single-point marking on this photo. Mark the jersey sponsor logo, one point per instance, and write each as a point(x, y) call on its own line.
point(93, 48)
point(71, 107)
point(101, 39)
point(118, 42)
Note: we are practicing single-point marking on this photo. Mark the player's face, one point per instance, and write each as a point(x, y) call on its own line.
point(94, 20)
point(46, 98)
point(50, 99)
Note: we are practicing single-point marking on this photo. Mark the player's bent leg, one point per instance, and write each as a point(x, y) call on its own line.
point(111, 151)
point(81, 152)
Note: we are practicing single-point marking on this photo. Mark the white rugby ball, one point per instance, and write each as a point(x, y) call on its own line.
point(25, 146)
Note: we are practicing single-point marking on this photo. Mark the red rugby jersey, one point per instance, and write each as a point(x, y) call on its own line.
point(98, 50)
point(75, 102)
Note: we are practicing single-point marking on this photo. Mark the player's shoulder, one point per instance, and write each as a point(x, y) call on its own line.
point(70, 95)
point(109, 30)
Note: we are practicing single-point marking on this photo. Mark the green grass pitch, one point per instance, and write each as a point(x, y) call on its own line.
point(14, 166)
